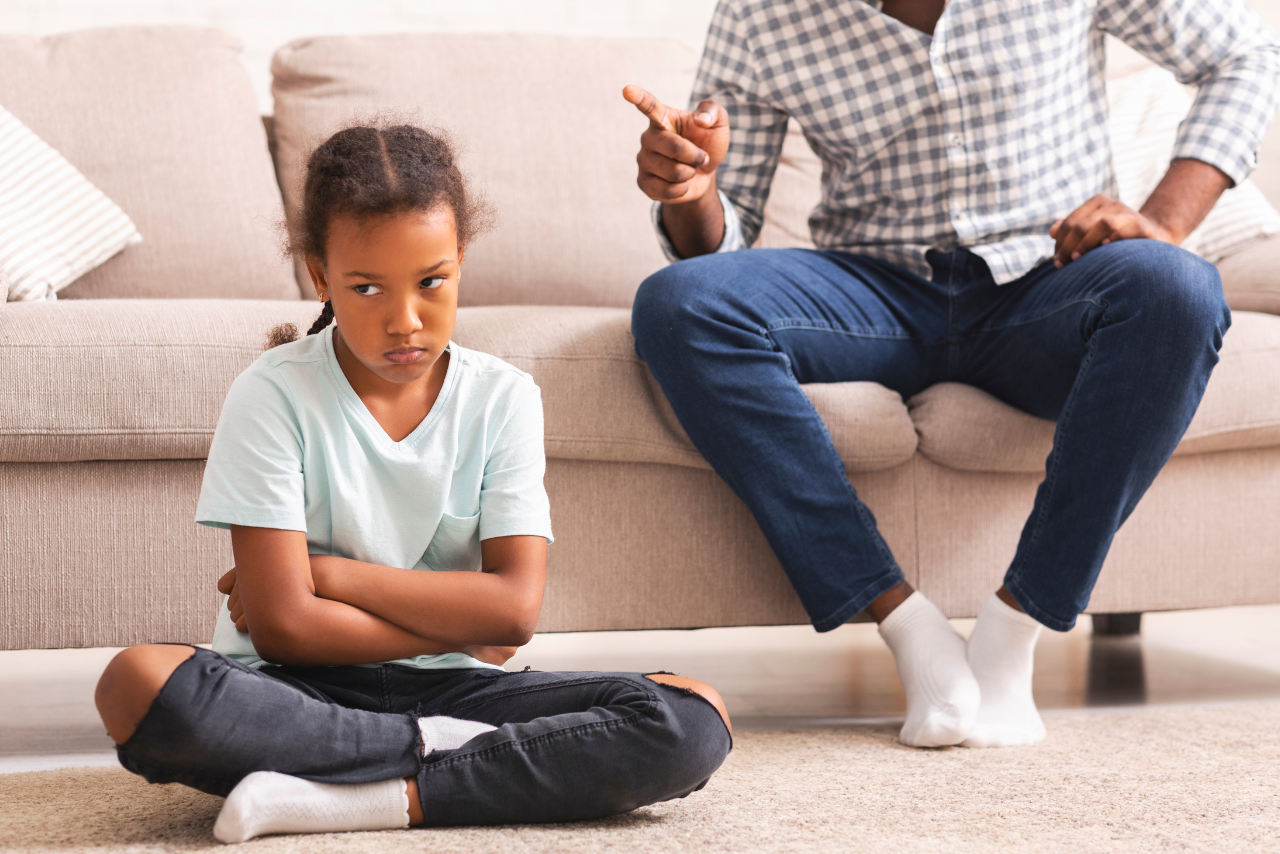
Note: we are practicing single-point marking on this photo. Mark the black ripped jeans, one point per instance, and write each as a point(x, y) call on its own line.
point(568, 746)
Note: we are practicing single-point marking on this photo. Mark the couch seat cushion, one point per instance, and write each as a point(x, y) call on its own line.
point(145, 379)
point(601, 403)
point(965, 428)
point(125, 379)
point(164, 121)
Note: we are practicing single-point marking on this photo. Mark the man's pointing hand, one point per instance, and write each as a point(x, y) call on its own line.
point(680, 150)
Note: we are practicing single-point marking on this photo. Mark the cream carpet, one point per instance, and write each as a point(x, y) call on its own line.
point(1205, 779)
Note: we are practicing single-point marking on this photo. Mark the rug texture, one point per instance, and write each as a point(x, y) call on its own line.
point(1204, 779)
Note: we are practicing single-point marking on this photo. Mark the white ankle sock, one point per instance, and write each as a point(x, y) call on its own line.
point(942, 695)
point(1002, 655)
point(445, 733)
point(266, 802)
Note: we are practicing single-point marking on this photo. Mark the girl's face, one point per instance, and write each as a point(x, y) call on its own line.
point(393, 281)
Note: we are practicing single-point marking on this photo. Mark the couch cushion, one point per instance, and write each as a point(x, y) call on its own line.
point(145, 379)
point(964, 428)
point(164, 121)
point(601, 403)
point(1251, 277)
point(543, 131)
point(125, 379)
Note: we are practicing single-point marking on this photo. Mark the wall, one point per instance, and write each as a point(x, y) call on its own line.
point(264, 25)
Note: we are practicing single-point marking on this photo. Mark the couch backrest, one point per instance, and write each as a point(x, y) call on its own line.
point(544, 132)
point(164, 121)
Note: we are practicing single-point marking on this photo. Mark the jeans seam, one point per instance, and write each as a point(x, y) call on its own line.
point(864, 513)
point(651, 696)
point(1100, 303)
point(856, 332)
point(1051, 473)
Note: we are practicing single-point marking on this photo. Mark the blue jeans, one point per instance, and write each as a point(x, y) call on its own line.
point(568, 746)
point(1116, 347)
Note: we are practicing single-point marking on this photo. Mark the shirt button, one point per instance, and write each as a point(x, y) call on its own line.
point(956, 140)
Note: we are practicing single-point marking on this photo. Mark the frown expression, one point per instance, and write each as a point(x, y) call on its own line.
point(393, 281)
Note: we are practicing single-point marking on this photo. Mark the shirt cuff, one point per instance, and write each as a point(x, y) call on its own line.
point(731, 242)
point(1219, 145)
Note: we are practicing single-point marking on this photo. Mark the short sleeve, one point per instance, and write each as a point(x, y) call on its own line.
point(254, 473)
point(513, 500)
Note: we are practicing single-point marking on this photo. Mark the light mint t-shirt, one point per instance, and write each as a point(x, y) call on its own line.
point(296, 449)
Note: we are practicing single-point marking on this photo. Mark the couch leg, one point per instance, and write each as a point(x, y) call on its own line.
point(1117, 625)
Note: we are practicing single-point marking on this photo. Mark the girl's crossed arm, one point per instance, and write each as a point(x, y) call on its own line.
point(274, 599)
point(496, 607)
point(306, 609)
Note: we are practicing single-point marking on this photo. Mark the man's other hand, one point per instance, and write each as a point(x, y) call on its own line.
point(1100, 221)
point(680, 150)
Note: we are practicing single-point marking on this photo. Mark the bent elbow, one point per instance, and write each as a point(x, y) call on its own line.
point(513, 625)
point(278, 643)
point(524, 622)
point(521, 634)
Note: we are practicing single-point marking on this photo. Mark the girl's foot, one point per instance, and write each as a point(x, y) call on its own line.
point(1002, 655)
point(942, 695)
point(444, 733)
point(266, 802)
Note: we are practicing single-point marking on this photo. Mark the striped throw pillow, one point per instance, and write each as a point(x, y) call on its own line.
point(55, 226)
point(1146, 109)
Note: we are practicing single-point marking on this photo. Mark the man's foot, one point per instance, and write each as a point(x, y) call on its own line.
point(942, 695)
point(266, 802)
point(1002, 655)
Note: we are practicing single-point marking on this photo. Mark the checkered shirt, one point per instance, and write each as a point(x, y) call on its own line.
point(980, 136)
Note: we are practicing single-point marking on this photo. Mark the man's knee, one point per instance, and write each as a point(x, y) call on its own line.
point(1180, 291)
point(660, 307)
point(675, 301)
point(131, 682)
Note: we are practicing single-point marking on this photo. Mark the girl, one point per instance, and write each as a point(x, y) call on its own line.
point(347, 688)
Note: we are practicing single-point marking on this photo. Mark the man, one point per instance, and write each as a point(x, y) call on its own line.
point(967, 232)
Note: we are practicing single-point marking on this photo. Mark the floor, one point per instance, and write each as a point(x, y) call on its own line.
point(771, 678)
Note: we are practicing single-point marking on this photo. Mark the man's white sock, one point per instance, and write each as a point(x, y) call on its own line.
point(444, 733)
point(267, 802)
point(1002, 655)
point(942, 695)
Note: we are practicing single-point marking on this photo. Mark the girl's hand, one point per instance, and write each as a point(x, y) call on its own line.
point(227, 585)
point(322, 576)
point(498, 655)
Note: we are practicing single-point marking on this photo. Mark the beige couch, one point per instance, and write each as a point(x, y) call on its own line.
point(109, 396)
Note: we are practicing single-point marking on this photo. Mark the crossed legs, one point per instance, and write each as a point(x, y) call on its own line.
point(538, 746)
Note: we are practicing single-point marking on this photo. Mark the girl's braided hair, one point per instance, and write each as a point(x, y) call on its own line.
point(368, 171)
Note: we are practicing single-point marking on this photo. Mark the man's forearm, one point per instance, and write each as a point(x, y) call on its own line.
point(1184, 196)
point(697, 227)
